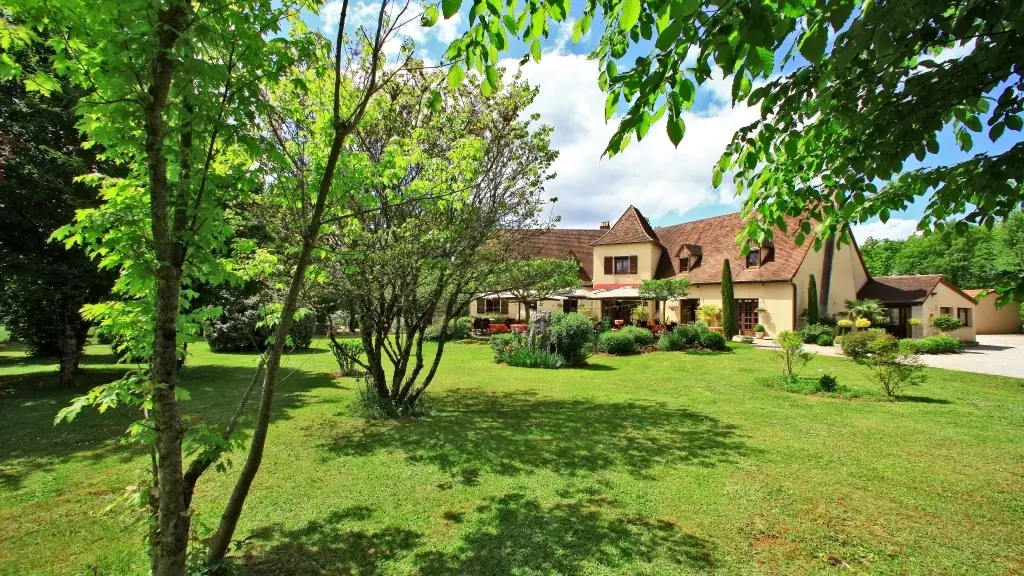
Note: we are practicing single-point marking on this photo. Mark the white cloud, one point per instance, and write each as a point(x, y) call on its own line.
point(652, 175)
point(365, 14)
point(894, 229)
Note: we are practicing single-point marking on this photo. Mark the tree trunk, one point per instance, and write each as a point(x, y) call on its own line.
point(70, 344)
point(174, 518)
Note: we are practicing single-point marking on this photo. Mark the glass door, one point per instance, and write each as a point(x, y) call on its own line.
point(747, 310)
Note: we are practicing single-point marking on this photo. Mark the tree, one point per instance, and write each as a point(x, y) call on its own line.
point(729, 312)
point(42, 285)
point(849, 91)
point(946, 323)
point(663, 290)
point(868, 308)
point(535, 279)
point(812, 301)
point(443, 197)
point(181, 103)
point(893, 367)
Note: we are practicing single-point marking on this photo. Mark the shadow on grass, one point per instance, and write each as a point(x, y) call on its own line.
point(31, 443)
point(922, 399)
point(473, 432)
point(511, 533)
point(591, 367)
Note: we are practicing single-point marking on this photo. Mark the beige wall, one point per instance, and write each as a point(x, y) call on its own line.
point(647, 253)
point(944, 296)
point(775, 297)
point(991, 320)
point(848, 277)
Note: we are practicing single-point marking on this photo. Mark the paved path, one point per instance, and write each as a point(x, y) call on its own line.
point(1001, 355)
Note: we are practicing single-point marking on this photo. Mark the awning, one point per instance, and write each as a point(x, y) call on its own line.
point(617, 293)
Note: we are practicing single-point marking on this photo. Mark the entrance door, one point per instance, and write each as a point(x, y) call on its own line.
point(747, 310)
point(688, 310)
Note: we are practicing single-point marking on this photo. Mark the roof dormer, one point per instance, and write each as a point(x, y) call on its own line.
point(689, 257)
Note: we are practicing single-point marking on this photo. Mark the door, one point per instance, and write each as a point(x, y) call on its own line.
point(688, 310)
point(747, 310)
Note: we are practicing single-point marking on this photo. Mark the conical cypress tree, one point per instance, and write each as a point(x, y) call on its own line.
point(729, 319)
point(812, 301)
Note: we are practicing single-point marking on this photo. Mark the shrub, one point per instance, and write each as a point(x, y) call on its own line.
point(673, 340)
point(946, 323)
point(825, 340)
point(242, 327)
point(606, 324)
point(616, 343)
point(811, 333)
point(941, 344)
point(522, 356)
point(370, 405)
point(709, 314)
point(346, 352)
point(828, 321)
point(894, 367)
point(844, 324)
point(457, 330)
point(856, 346)
point(691, 334)
point(641, 336)
point(759, 328)
point(713, 341)
point(827, 382)
point(791, 354)
point(838, 341)
point(571, 336)
point(501, 343)
point(862, 323)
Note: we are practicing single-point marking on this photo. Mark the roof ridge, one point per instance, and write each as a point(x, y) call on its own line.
point(698, 220)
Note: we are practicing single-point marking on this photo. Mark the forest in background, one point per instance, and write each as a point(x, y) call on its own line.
point(971, 260)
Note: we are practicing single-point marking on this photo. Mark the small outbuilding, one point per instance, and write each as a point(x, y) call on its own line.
point(988, 319)
point(921, 296)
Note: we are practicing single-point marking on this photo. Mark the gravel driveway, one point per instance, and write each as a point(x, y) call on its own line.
point(1001, 355)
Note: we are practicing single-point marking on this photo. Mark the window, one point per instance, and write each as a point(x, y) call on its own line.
point(752, 257)
point(964, 315)
point(492, 306)
point(684, 264)
point(946, 310)
point(570, 305)
point(620, 265)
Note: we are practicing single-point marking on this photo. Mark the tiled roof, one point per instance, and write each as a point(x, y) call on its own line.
point(631, 227)
point(913, 289)
point(716, 239)
point(564, 243)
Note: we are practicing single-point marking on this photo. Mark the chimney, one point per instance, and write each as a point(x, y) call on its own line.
point(606, 225)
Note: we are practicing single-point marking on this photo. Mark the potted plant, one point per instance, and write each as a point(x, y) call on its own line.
point(759, 330)
point(914, 323)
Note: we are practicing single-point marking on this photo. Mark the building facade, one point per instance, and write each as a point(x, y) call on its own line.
point(770, 283)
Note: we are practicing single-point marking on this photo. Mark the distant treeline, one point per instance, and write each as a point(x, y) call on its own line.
point(972, 260)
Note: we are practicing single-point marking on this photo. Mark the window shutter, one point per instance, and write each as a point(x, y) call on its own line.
point(633, 265)
point(608, 265)
point(481, 306)
point(504, 307)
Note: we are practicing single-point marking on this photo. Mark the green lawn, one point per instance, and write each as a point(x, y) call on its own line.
point(665, 463)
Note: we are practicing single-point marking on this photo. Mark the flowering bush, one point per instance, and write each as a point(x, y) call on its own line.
point(862, 323)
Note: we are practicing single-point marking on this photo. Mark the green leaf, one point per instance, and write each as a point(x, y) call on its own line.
point(492, 77)
point(629, 14)
point(684, 8)
point(450, 7)
point(486, 88)
point(812, 44)
point(1013, 122)
point(42, 83)
point(535, 50)
point(973, 123)
point(510, 24)
point(996, 131)
point(767, 60)
point(668, 36)
point(644, 126)
point(455, 76)
point(429, 16)
point(609, 105)
point(676, 129)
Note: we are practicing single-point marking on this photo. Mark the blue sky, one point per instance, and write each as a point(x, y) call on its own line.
point(668, 185)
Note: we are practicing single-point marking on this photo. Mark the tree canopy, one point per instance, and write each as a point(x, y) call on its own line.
point(849, 91)
point(534, 279)
point(975, 259)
